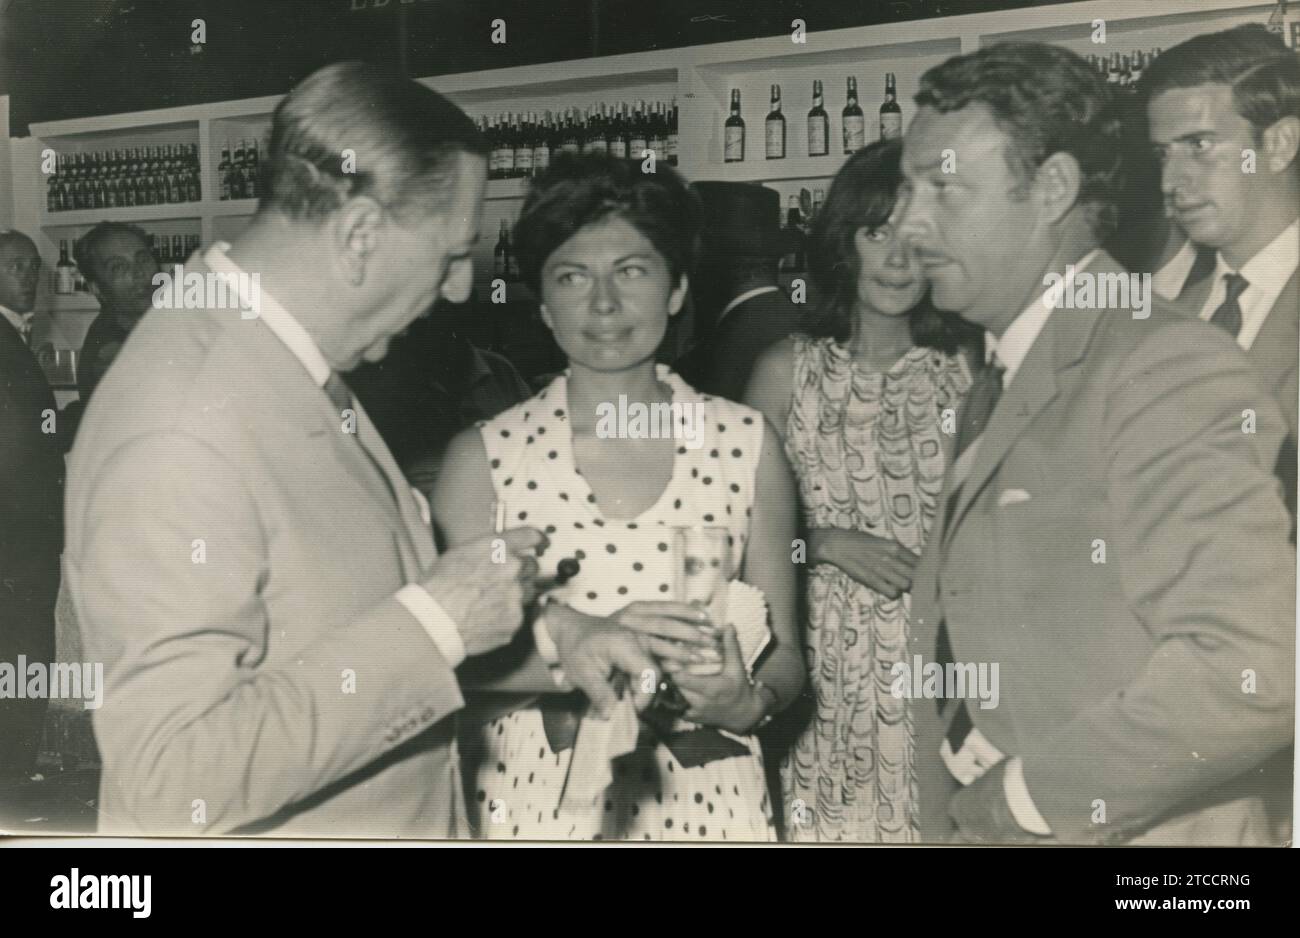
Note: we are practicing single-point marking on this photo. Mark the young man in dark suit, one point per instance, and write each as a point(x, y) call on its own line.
point(31, 504)
point(1224, 117)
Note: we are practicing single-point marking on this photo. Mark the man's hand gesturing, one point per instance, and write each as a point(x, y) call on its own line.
point(485, 593)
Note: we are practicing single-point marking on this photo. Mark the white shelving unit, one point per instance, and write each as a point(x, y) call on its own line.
point(699, 77)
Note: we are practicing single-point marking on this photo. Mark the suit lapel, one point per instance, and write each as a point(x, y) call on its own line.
point(1191, 299)
point(1030, 391)
point(419, 536)
point(304, 410)
point(1060, 346)
point(1275, 348)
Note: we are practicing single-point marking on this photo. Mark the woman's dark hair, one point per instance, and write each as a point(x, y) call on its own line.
point(862, 196)
point(577, 190)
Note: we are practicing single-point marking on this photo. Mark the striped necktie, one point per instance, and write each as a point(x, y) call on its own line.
point(340, 396)
point(985, 391)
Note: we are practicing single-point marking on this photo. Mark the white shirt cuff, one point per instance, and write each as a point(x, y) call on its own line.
point(435, 620)
point(542, 640)
point(1022, 806)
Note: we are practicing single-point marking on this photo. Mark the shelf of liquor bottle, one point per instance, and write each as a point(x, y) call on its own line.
point(231, 207)
point(87, 217)
point(1163, 25)
point(761, 170)
point(507, 188)
point(79, 302)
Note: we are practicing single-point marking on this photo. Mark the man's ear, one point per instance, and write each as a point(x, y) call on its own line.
point(1057, 185)
point(678, 296)
point(1282, 144)
point(546, 317)
point(355, 232)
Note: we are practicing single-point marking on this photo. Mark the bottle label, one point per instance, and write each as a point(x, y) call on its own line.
point(775, 140)
point(734, 144)
point(638, 147)
point(619, 149)
point(600, 145)
point(855, 133)
point(817, 136)
point(507, 162)
point(891, 126)
point(67, 279)
point(541, 157)
point(672, 146)
point(524, 159)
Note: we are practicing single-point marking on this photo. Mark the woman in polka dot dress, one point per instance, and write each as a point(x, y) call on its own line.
point(606, 247)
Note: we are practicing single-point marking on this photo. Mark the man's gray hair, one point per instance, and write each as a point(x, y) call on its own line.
point(353, 129)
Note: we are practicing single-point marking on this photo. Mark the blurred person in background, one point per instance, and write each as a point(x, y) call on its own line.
point(31, 505)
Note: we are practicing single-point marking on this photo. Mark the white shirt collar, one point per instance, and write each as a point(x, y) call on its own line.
point(1020, 336)
point(747, 295)
point(21, 322)
point(278, 319)
point(1266, 273)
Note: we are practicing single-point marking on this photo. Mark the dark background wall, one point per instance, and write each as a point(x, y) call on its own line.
point(75, 58)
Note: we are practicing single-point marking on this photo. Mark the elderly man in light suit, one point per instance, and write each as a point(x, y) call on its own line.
point(258, 578)
point(1111, 535)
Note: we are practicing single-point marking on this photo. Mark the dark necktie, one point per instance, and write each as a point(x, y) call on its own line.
point(1228, 315)
point(983, 397)
point(339, 393)
point(340, 396)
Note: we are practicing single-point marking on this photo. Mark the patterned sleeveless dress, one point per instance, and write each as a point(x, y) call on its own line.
point(515, 780)
point(868, 451)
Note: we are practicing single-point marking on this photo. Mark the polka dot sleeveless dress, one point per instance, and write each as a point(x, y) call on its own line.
point(515, 778)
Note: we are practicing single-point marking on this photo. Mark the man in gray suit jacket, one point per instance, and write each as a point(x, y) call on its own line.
point(246, 559)
point(1224, 115)
point(1110, 539)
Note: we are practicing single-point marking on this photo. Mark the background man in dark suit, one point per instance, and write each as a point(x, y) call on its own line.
point(1110, 535)
point(31, 503)
point(740, 308)
point(433, 383)
point(119, 267)
point(1224, 113)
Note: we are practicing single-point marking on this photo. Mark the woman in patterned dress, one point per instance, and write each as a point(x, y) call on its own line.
point(860, 401)
point(606, 248)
